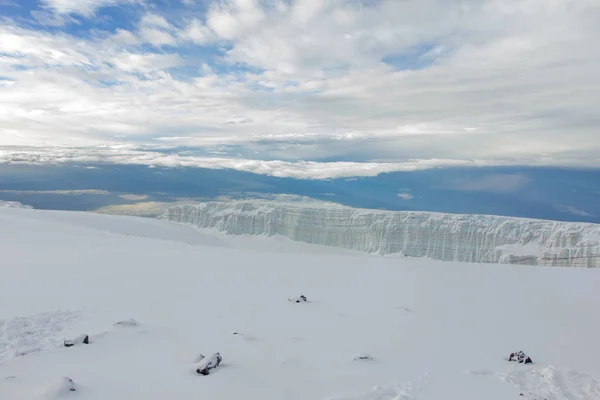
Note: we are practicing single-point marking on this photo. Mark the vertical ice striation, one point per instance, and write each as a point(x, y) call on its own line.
point(450, 237)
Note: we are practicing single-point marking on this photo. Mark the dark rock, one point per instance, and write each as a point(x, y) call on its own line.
point(301, 299)
point(70, 384)
point(208, 364)
point(520, 357)
point(85, 339)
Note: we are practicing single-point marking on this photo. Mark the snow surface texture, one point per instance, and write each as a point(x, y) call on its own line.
point(448, 237)
point(434, 330)
point(20, 336)
point(13, 204)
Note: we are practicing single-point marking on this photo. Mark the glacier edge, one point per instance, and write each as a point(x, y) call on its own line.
point(447, 237)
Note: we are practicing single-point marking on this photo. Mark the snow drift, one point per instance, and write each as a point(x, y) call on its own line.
point(448, 237)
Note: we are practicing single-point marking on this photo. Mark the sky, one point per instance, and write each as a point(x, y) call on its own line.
point(306, 89)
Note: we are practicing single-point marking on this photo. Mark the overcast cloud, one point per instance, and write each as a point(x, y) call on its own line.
point(383, 85)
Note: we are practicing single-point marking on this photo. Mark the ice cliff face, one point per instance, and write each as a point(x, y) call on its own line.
point(450, 237)
point(13, 204)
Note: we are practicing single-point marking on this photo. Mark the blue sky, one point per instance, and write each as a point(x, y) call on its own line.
point(304, 89)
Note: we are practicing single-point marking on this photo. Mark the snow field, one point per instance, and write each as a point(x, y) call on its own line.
point(435, 330)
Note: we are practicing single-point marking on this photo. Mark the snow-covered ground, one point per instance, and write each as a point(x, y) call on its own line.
point(435, 330)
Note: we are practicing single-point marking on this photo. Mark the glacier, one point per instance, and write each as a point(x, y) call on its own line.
point(447, 237)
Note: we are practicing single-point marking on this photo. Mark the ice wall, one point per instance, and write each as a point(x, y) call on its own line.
point(450, 237)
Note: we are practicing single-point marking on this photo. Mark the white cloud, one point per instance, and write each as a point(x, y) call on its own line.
point(157, 37)
point(134, 197)
point(155, 20)
point(136, 62)
point(406, 196)
point(230, 20)
point(574, 211)
point(494, 82)
point(123, 37)
point(224, 24)
point(128, 156)
point(156, 30)
point(199, 33)
point(86, 8)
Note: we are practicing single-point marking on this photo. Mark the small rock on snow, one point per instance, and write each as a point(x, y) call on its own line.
point(85, 339)
point(301, 299)
point(363, 357)
point(208, 364)
point(520, 357)
point(69, 384)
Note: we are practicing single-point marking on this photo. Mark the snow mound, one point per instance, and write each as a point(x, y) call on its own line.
point(14, 204)
point(127, 323)
point(447, 237)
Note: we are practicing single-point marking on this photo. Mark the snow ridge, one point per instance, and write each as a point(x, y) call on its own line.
point(448, 237)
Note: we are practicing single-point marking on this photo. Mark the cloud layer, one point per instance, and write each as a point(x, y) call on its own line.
point(282, 169)
point(376, 84)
